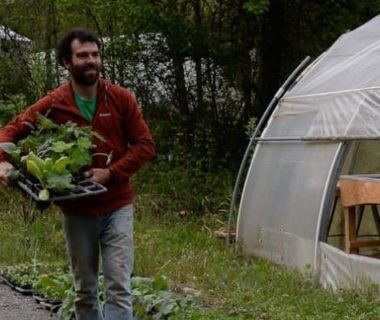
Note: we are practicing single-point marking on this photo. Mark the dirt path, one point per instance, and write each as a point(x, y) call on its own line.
point(14, 306)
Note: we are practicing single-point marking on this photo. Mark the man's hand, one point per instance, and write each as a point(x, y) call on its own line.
point(98, 175)
point(5, 168)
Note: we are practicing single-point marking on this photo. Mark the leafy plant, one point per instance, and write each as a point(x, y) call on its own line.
point(25, 274)
point(153, 300)
point(20, 275)
point(12, 150)
point(11, 107)
point(53, 153)
point(53, 286)
point(66, 311)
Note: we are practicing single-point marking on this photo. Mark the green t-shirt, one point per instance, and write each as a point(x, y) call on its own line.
point(86, 107)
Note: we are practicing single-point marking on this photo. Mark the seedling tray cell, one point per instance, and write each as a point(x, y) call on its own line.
point(84, 187)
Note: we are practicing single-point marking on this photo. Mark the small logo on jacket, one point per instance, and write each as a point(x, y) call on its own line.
point(108, 114)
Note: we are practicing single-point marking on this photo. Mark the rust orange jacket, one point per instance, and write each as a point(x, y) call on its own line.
point(117, 119)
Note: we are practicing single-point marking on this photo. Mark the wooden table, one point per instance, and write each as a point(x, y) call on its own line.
point(357, 191)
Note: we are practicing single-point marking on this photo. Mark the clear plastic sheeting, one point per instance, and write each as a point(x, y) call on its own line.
point(352, 62)
point(341, 89)
point(341, 270)
point(281, 247)
point(337, 116)
point(279, 210)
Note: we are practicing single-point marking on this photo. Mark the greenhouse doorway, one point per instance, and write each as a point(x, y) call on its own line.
point(362, 158)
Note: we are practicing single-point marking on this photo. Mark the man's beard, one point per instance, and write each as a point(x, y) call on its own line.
point(80, 75)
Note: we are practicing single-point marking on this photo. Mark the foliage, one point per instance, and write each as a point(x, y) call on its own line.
point(22, 275)
point(177, 54)
point(52, 153)
point(11, 107)
point(250, 127)
point(44, 73)
point(210, 66)
point(38, 235)
point(165, 189)
point(53, 286)
point(153, 300)
point(13, 64)
point(26, 275)
point(67, 309)
point(255, 6)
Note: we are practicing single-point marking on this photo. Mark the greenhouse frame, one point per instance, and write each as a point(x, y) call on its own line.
point(327, 124)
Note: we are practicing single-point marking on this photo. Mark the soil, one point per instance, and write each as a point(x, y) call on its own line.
point(15, 306)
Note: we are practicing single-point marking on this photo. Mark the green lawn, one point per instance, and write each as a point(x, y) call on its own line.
point(235, 287)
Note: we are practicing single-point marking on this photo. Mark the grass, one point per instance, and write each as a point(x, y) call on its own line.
point(235, 287)
point(26, 233)
point(175, 239)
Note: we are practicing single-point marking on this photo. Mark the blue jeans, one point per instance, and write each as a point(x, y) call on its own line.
point(111, 236)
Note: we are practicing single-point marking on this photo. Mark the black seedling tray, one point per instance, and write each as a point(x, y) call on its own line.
point(84, 187)
point(52, 306)
point(24, 291)
point(39, 298)
point(7, 281)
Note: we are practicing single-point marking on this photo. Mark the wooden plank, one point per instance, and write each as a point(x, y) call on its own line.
point(350, 228)
point(364, 243)
point(356, 192)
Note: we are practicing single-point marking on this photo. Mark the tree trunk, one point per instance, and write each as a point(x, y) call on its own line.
point(180, 85)
point(198, 60)
point(245, 70)
point(50, 25)
point(270, 55)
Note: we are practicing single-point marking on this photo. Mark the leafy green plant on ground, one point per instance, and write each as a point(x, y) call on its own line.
point(67, 309)
point(25, 275)
point(152, 299)
point(53, 153)
point(22, 275)
point(53, 286)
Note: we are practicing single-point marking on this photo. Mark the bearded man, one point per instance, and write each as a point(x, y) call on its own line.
point(101, 225)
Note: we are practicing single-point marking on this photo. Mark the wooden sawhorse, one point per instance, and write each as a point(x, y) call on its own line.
point(357, 191)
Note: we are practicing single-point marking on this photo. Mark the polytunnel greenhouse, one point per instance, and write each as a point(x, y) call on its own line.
point(325, 126)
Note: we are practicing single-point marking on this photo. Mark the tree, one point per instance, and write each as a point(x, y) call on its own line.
point(208, 66)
